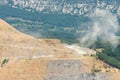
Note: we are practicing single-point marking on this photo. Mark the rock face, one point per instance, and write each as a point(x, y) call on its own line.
point(94, 76)
point(71, 70)
point(23, 57)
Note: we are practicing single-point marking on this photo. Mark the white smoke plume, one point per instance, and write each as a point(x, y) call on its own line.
point(105, 25)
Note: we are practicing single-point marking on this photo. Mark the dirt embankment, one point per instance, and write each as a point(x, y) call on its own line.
point(23, 57)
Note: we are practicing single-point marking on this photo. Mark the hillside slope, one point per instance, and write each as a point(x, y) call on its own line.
point(78, 7)
point(14, 43)
point(24, 57)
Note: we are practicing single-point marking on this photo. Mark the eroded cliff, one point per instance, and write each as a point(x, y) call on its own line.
point(24, 57)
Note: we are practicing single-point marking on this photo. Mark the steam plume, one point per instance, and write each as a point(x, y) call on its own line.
point(105, 25)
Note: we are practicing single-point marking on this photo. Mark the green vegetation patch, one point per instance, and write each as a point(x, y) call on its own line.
point(5, 61)
point(109, 54)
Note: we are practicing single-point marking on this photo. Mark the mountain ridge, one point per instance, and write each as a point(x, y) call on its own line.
point(77, 7)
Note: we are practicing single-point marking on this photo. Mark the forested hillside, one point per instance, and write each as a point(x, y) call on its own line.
point(108, 53)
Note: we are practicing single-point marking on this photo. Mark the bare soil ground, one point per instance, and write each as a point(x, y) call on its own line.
point(23, 57)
